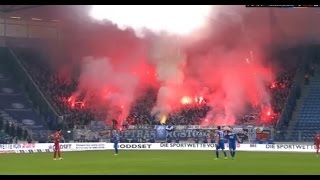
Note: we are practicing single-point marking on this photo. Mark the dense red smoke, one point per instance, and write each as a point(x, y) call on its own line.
point(225, 63)
point(229, 62)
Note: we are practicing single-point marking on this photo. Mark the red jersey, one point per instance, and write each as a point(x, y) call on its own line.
point(56, 137)
point(317, 139)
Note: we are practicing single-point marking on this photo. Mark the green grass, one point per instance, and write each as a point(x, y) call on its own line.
point(160, 162)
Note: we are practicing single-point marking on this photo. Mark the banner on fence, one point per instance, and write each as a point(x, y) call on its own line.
point(48, 147)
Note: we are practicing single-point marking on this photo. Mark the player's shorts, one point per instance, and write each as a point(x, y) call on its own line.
point(232, 146)
point(115, 145)
point(56, 146)
point(220, 145)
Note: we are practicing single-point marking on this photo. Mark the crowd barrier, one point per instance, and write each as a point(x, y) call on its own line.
point(48, 147)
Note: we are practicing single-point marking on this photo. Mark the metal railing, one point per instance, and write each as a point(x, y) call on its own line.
point(32, 81)
point(296, 135)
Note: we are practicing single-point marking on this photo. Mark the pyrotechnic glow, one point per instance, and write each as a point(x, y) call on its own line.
point(266, 115)
point(198, 100)
point(178, 19)
point(163, 120)
point(82, 105)
point(71, 101)
point(269, 113)
point(186, 100)
point(71, 98)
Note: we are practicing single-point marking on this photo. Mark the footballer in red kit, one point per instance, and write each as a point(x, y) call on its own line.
point(57, 136)
point(317, 142)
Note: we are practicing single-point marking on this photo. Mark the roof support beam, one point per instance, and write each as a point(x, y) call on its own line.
point(12, 8)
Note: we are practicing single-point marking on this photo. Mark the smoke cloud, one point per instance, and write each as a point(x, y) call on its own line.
point(166, 55)
point(228, 61)
point(117, 88)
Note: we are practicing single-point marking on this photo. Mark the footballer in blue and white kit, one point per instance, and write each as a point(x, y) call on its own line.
point(116, 140)
point(219, 136)
point(232, 141)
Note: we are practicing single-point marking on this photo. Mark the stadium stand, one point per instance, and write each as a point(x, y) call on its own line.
point(15, 105)
point(285, 91)
point(58, 90)
point(308, 117)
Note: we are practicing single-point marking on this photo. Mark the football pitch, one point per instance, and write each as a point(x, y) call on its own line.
point(160, 163)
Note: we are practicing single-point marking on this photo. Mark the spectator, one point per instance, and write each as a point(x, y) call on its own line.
point(312, 71)
point(59, 90)
point(306, 79)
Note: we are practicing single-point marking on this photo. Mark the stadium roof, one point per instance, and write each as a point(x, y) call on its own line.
point(45, 12)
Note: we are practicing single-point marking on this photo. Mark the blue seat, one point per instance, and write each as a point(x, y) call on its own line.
point(15, 104)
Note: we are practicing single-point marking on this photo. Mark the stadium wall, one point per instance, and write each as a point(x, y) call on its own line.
point(48, 147)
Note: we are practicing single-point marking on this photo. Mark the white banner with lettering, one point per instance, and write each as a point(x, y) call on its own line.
point(48, 147)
